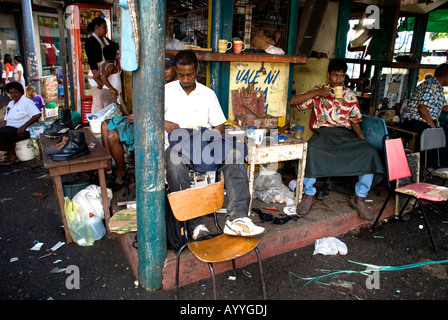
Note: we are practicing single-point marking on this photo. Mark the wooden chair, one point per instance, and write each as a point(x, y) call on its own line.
point(397, 167)
point(433, 139)
point(196, 202)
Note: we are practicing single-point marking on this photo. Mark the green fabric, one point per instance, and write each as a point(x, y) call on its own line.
point(437, 22)
point(124, 128)
point(339, 152)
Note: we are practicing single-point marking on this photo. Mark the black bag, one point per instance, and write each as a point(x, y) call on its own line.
point(175, 233)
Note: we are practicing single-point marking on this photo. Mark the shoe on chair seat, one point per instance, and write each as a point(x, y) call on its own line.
point(242, 227)
point(200, 231)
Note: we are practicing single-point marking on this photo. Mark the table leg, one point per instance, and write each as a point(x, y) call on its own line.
point(105, 200)
point(301, 174)
point(251, 183)
point(57, 183)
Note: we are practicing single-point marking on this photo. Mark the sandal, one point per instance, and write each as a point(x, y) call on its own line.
point(8, 162)
point(116, 186)
point(110, 175)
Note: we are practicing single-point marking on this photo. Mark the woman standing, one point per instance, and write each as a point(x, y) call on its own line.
point(94, 51)
point(20, 114)
point(18, 71)
point(8, 70)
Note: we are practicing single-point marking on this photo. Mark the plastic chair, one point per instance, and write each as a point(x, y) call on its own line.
point(433, 139)
point(374, 130)
point(196, 202)
point(397, 167)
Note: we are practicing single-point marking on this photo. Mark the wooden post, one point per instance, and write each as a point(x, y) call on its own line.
point(148, 88)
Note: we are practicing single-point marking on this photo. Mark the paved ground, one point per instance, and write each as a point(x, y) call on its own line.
point(105, 273)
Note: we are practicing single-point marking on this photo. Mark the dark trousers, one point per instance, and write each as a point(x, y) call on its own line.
point(418, 127)
point(9, 136)
point(235, 180)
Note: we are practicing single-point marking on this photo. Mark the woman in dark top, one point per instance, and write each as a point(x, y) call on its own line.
point(94, 51)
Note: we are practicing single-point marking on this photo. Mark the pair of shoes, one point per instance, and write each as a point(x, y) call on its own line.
point(75, 147)
point(200, 232)
point(304, 207)
point(242, 227)
point(58, 146)
point(263, 216)
point(62, 125)
point(116, 186)
point(360, 205)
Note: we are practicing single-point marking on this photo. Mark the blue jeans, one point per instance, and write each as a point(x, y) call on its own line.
point(362, 187)
point(235, 180)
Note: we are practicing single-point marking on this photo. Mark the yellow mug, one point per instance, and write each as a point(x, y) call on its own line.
point(223, 45)
point(338, 92)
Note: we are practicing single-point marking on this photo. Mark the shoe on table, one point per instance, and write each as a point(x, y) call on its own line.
point(361, 207)
point(58, 146)
point(242, 227)
point(200, 231)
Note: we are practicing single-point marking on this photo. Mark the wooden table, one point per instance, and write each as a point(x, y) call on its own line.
point(289, 149)
point(98, 159)
point(406, 135)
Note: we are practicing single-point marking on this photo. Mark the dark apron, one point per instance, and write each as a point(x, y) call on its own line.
point(335, 152)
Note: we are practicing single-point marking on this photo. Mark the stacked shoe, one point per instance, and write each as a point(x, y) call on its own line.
point(75, 146)
point(61, 125)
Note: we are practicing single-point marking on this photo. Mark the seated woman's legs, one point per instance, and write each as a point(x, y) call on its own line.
point(117, 152)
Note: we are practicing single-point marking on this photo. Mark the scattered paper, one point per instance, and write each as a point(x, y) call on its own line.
point(57, 261)
point(13, 259)
point(37, 246)
point(57, 270)
point(57, 245)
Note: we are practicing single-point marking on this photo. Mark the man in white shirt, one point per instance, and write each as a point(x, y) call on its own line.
point(21, 112)
point(189, 104)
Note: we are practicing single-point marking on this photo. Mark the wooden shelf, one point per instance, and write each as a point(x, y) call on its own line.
point(248, 57)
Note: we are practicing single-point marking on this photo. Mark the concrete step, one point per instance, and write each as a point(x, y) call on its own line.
point(331, 217)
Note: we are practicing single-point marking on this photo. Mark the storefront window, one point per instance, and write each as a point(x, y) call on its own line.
point(49, 43)
point(8, 42)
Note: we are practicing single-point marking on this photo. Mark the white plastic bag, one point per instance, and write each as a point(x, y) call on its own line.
point(78, 224)
point(274, 50)
point(90, 199)
point(275, 195)
point(108, 112)
point(267, 178)
point(330, 246)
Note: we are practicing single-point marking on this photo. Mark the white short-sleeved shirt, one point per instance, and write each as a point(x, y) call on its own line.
point(17, 114)
point(200, 108)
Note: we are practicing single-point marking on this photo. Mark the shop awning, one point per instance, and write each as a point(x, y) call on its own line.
point(437, 22)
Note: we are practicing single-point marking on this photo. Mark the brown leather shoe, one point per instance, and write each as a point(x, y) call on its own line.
point(359, 204)
point(304, 207)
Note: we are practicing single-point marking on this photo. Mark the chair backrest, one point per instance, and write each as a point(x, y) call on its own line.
point(196, 202)
point(396, 161)
point(374, 129)
point(432, 138)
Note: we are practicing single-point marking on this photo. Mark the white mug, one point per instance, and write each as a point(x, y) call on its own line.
point(258, 136)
